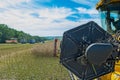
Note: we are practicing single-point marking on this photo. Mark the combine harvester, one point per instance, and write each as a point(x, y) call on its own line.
point(91, 52)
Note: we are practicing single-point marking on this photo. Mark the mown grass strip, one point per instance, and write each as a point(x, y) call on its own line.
point(26, 65)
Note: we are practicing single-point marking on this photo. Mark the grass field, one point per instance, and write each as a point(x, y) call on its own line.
point(30, 62)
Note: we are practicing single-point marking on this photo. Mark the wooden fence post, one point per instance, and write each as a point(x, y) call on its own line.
point(55, 47)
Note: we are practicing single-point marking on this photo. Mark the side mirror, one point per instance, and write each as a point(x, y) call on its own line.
point(98, 53)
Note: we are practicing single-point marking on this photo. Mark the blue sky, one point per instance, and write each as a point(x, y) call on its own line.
point(47, 17)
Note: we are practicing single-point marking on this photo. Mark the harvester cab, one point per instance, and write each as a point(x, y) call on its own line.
point(93, 52)
point(110, 14)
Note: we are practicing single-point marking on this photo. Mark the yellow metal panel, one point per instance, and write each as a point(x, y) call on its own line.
point(114, 75)
point(102, 2)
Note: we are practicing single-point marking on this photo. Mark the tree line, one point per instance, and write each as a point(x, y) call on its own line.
point(7, 33)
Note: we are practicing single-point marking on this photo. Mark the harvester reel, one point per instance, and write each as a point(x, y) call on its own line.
point(87, 52)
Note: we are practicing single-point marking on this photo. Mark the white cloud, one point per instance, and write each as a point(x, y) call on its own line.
point(82, 1)
point(49, 21)
point(55, 13)
point(93, 13)
point(43, 1)
point(90, 3)
point(8, 3)
point(87, 11)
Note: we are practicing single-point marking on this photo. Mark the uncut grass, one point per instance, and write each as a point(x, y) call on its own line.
point(45, 50)
point(29, 66)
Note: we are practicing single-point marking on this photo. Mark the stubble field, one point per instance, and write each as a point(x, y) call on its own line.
point(30, 62)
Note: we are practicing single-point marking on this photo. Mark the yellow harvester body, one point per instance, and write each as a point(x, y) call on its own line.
point(103, 5)
point(114, 75)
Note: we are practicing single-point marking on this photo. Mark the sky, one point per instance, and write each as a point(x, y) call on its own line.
point(47, 17)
